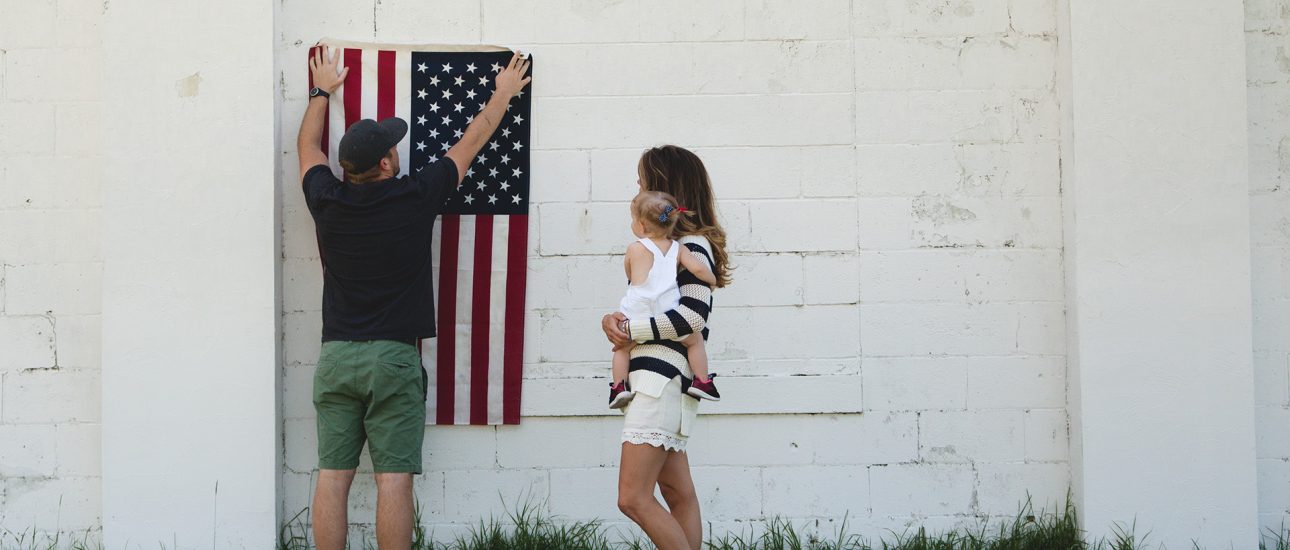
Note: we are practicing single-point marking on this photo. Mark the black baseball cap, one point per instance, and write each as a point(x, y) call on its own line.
point(368, 141)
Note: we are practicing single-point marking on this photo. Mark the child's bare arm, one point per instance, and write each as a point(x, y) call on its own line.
point(696, 266)
point(638, 263)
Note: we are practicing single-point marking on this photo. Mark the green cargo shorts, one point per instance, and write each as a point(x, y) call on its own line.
point(372, 391)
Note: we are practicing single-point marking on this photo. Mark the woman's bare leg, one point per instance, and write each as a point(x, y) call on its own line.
point(677, 486)
point(638, 473)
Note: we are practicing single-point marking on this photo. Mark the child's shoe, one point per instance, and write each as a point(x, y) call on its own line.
point(704, 389)
point(620, 395)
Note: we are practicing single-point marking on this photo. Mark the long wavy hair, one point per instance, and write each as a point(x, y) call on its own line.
point(680, 173)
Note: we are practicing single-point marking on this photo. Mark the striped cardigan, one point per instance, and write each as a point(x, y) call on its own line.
point(658, 350)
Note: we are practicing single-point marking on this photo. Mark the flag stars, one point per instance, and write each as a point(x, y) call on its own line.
point(519, 119)
point(447, 67)
point(421, 67)
point(482, 186)
point(447, 121)
point(492, 199)
point(515, 199)
point(470, 172)
point(421, 120)
point(447, 94)
point(434, 133)
point(516, 172)
point(434, 80)
point(506, 159)
point(421, 94)
point(492, 172)
point(505, 186)
point(458, 108)
point(421, 146)
point(470, 68)
point(434, 107)
point(469, 199)
point(470, 119)
point(459, 81)
point(433, 159)
point(470, 94)
point(444, 146)
point(483, 81)
point(457, 133)
point(516, 146)
point(493, 145)
point(506, 132)
point(483, 159)
point(497, 68)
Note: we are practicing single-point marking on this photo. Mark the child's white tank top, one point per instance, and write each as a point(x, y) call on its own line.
point(659, 293)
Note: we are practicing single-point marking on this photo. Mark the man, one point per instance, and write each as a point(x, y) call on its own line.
point(374, 234)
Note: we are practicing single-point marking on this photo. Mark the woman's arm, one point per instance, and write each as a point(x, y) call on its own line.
point(689, 317)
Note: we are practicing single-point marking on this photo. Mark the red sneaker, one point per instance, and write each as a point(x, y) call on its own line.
point(704, 389)
point(620, 395)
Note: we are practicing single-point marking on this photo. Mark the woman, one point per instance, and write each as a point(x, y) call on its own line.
point(658, 421)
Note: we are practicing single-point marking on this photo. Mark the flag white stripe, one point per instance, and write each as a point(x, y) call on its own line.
point(430, 347)
point(497, 318)
point(465, 303)
point(370, 83)
point(336, 124)
point(403, 104)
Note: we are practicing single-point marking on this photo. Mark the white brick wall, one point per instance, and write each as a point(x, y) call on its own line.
point(50, 264)
point(1268, 72)
point(888, 173)
point(893, 206)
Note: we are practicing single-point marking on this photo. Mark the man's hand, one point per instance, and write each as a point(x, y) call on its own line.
point(511, 80)
point(323, 66)
point(612, 325)
point(508, 82)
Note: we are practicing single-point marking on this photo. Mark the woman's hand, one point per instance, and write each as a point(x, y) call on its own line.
point(611, 324)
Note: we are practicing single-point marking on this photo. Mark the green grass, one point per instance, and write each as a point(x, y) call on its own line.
point(530, 526)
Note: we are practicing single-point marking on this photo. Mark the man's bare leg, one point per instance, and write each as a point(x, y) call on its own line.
point(331, 508)
point(394, 511)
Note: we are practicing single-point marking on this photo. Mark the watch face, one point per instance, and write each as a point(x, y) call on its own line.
point(313, 92)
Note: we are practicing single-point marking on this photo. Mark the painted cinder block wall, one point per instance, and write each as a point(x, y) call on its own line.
point(899, 164)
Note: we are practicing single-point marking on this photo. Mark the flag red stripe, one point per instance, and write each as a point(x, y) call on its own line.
point(353, 86)
point(480, 302)
point(384, 84)
point(517, 247)
point(446, 372)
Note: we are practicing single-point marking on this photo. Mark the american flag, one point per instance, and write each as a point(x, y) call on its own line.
point(481, 257)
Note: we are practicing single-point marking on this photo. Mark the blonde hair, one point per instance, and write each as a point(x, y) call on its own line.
point(658, 211)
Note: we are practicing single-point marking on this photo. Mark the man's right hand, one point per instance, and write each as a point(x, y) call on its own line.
point(323, 67)
point(511, 79)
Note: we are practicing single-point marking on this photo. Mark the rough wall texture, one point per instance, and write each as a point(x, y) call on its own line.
point(50, 264)
point(888, 172)
point(1267, 24)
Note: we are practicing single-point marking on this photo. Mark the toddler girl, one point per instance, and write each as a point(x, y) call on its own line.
point(651, 265)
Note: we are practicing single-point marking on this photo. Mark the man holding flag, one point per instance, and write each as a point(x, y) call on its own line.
point(374, 236)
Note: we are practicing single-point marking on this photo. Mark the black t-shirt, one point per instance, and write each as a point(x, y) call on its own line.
point(375, 244)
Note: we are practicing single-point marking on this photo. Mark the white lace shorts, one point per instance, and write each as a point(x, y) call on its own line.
point(664, 421)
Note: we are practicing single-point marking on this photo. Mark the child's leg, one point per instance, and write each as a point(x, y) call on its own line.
point(697, 355)
point(621, 359)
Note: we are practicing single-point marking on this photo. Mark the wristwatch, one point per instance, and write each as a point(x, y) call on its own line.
point(316, 92)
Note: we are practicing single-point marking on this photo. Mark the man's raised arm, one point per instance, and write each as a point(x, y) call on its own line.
point(507, 83)
point(308, 144)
